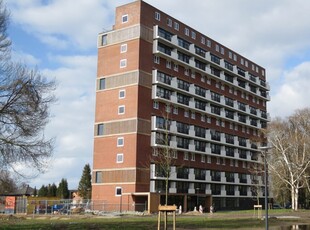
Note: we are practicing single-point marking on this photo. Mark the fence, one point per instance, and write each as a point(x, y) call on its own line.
point(35, 205)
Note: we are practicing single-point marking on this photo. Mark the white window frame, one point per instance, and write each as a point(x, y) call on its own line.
point(203, 158)
point(193, 157)
point(125, 18)
point(123, 63)
point(121, 107)
point(155, 104)
point(203, 118)
point(122, 94)
point(176, 26)
point(193, 35)
point(208, 43)
point(169, 22)
point(120, 158)
point(186, 72)
point(186, 31)
point(175, 110)
point(118, 189)
point(209, 159)
point(124, 48)
point(203, 40)
point(193, 115)
point(120, 142)
point(175, 67)
point(157, 59)
point(186, 113)
point(168, 64)
point(157, 16)
point(186, 156)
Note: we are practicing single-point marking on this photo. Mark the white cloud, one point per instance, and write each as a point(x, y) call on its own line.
point(20, 56)
point(293, 93)
point(63, 24)
point(72, 119)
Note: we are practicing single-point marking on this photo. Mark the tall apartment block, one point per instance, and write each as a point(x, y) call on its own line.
point(161, 84)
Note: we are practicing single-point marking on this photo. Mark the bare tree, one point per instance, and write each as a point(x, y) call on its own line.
point(256, 172)
point(290, 156)
point(25, 97)
point(163, 155)
point(7, 183)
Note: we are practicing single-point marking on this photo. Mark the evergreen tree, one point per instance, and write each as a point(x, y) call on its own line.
point(52, 190)
point(43, 191)
point(62, 190)
point(35, 192)
point(84, 188)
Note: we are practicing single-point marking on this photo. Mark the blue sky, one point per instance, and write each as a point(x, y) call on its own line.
point(59, 37)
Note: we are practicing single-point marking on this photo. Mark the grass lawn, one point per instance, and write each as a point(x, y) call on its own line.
point(220, 220)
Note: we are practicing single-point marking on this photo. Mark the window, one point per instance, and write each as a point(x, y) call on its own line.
point(203, 158)
point(168, 64)
point(121, 94)
point(175, 110)
point(157, 16)
point(186, 31)
point(101, 83)
point(98, 177)
point(164, 34)
point(100, 129)
point(123, 63)
point(192, 156)
point(104, 39)
point(222, 51)
point(186, 156)
point(217, 48)
point(209, 159)
point(169, 22)
point(193, 115)
point(123, 48)
point(183, 43)
point(186, 113)
point(155, 104)
point(203, 118)
point(176, 26)
point(125, 18)
point(121, 109)
point(208, 43)
point(175, 67)
point(156, 59)
point(203, 40)
point(168, 108)
point(193, 35)
point(120, 141)
point(118, 191)
point(119, 158)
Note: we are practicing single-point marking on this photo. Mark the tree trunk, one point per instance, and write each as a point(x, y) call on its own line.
point(166, 192)
point(293, 197)
point(296, 199)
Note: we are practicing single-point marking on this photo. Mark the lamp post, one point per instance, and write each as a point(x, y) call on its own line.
point(265, 150)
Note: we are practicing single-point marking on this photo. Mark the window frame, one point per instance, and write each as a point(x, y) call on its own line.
point(121, 156)
point(120, 142)
point(124, 18)
point(118, 191)
point(124, 48)
point(121, 107)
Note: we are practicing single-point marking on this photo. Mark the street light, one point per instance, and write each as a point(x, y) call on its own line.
point(265, 150)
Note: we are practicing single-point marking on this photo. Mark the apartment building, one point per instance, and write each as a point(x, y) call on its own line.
point(161, 84)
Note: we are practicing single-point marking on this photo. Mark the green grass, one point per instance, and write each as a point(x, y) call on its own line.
point(220, 220)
